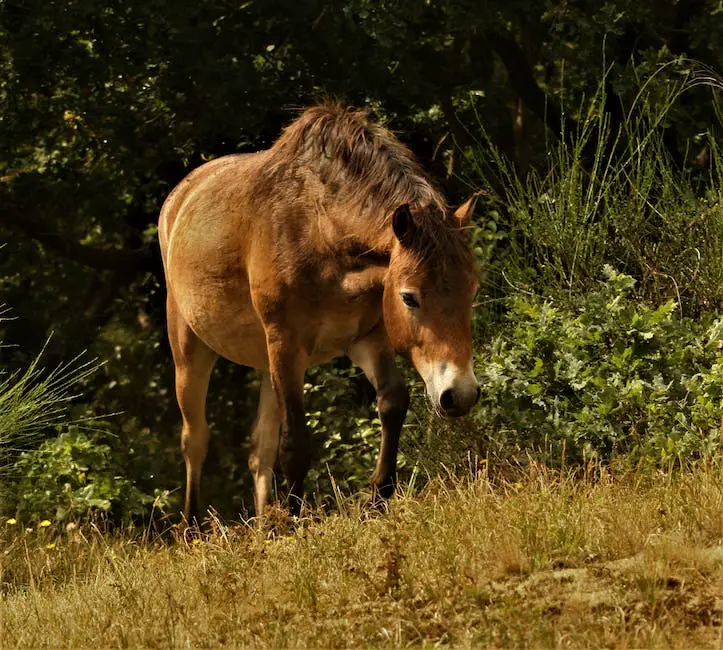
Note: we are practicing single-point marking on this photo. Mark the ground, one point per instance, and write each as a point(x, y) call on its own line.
point(544, 559)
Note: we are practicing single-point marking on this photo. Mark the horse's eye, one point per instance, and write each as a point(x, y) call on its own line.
point(410, 300)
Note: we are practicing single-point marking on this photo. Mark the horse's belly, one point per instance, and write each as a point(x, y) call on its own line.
point(233, 330)
point(224, 319)
point(236, 341)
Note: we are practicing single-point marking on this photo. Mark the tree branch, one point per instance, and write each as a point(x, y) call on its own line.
point(524, 84)
point(456, 127)
point(102, 258)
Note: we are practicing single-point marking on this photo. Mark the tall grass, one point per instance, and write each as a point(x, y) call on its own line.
point(614, 194)
point(539, 559)
point(35, 401)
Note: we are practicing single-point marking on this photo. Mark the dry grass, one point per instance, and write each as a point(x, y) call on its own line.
point(544, 560)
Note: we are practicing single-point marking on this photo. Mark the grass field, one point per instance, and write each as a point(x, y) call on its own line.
point(540, 559)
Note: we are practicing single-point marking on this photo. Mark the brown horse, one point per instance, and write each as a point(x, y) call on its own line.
point(332, 242)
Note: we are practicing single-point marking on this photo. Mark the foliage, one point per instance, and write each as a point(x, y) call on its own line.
point(104, 107)
point(74, 474)
point(35, 404)
point(345, 431)
point(33, 401)
point(57, 460)
point(612, 377)
point(614, 194)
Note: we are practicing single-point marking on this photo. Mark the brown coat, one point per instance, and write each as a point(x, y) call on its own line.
point(331, 242)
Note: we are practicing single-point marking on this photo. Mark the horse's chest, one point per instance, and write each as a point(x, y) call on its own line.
point(336, 330)
point(344, 320)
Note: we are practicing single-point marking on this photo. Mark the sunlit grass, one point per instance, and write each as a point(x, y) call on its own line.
point(613, 194)
point(34, 400)
point(541, 559)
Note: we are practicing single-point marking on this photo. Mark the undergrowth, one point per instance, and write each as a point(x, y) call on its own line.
point(612, 194)
point(36, 404)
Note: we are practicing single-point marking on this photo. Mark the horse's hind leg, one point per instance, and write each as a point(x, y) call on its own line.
point(194, 361)
point(265, 444)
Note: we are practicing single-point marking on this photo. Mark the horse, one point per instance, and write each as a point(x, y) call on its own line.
point(331, 242)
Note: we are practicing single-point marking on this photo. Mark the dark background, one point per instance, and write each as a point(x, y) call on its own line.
point(105, 106)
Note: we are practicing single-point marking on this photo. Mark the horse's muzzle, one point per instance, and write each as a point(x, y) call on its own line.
point(458, 400)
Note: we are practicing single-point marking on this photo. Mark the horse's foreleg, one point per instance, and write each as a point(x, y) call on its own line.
point(375, 356)
point(194, 362)
point(265, 444)
point(287, 364)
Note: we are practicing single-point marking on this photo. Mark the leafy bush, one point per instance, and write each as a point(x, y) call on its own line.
point(614, 376)
point(73, 474)
point(51, 467)
point(34, 405)
point(345, 430)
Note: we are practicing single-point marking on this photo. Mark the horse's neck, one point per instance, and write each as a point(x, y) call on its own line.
point(336, 217)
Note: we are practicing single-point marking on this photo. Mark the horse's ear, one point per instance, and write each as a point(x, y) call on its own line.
point(463, 214)
point(403, 224)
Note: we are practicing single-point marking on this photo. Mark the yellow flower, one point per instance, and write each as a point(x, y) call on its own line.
point(11, 521)
point(45, 523)
point(196, 541)
point(51, 545)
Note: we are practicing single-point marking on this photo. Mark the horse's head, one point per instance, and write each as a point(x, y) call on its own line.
point(427, 305)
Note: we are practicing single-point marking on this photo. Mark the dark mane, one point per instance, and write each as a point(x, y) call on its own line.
point(363, 165)
point(352, 155)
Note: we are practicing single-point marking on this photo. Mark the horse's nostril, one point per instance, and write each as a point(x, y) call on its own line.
point(479, 394)
point(446, 401)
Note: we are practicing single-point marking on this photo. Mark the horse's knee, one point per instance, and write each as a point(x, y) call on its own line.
point(393, 402)
point(194, 443)
point(262, 470)
point(261, 460)
point(264, 447)
point(254, 462)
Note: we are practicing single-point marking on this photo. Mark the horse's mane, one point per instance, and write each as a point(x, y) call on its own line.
point(365, 166)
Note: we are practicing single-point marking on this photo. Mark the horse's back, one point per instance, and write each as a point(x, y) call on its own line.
point(208, 174)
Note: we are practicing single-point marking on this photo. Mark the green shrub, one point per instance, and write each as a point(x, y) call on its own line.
point(72, 475)
point(34, 401)
point(53, 463)
point(342, 418)
point(612, 376)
